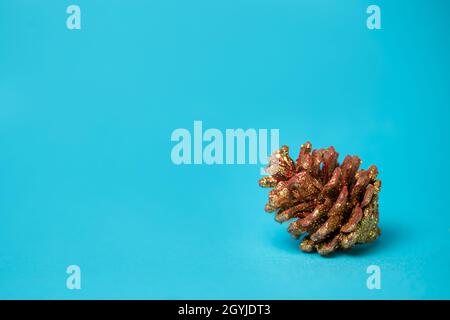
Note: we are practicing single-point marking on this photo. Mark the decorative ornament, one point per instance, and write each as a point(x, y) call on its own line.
point(333, 206)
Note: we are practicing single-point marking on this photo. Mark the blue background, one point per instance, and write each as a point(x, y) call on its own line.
point(86, 117)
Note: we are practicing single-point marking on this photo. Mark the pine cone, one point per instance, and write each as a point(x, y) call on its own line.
point(334, 206)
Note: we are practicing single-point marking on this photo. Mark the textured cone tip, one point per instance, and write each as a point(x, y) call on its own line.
point(280, 218)
point(307, 245)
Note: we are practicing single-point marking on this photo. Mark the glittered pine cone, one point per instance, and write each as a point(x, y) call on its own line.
point(331, 205)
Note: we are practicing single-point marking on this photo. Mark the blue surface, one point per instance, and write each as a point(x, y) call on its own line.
point(86, 117)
